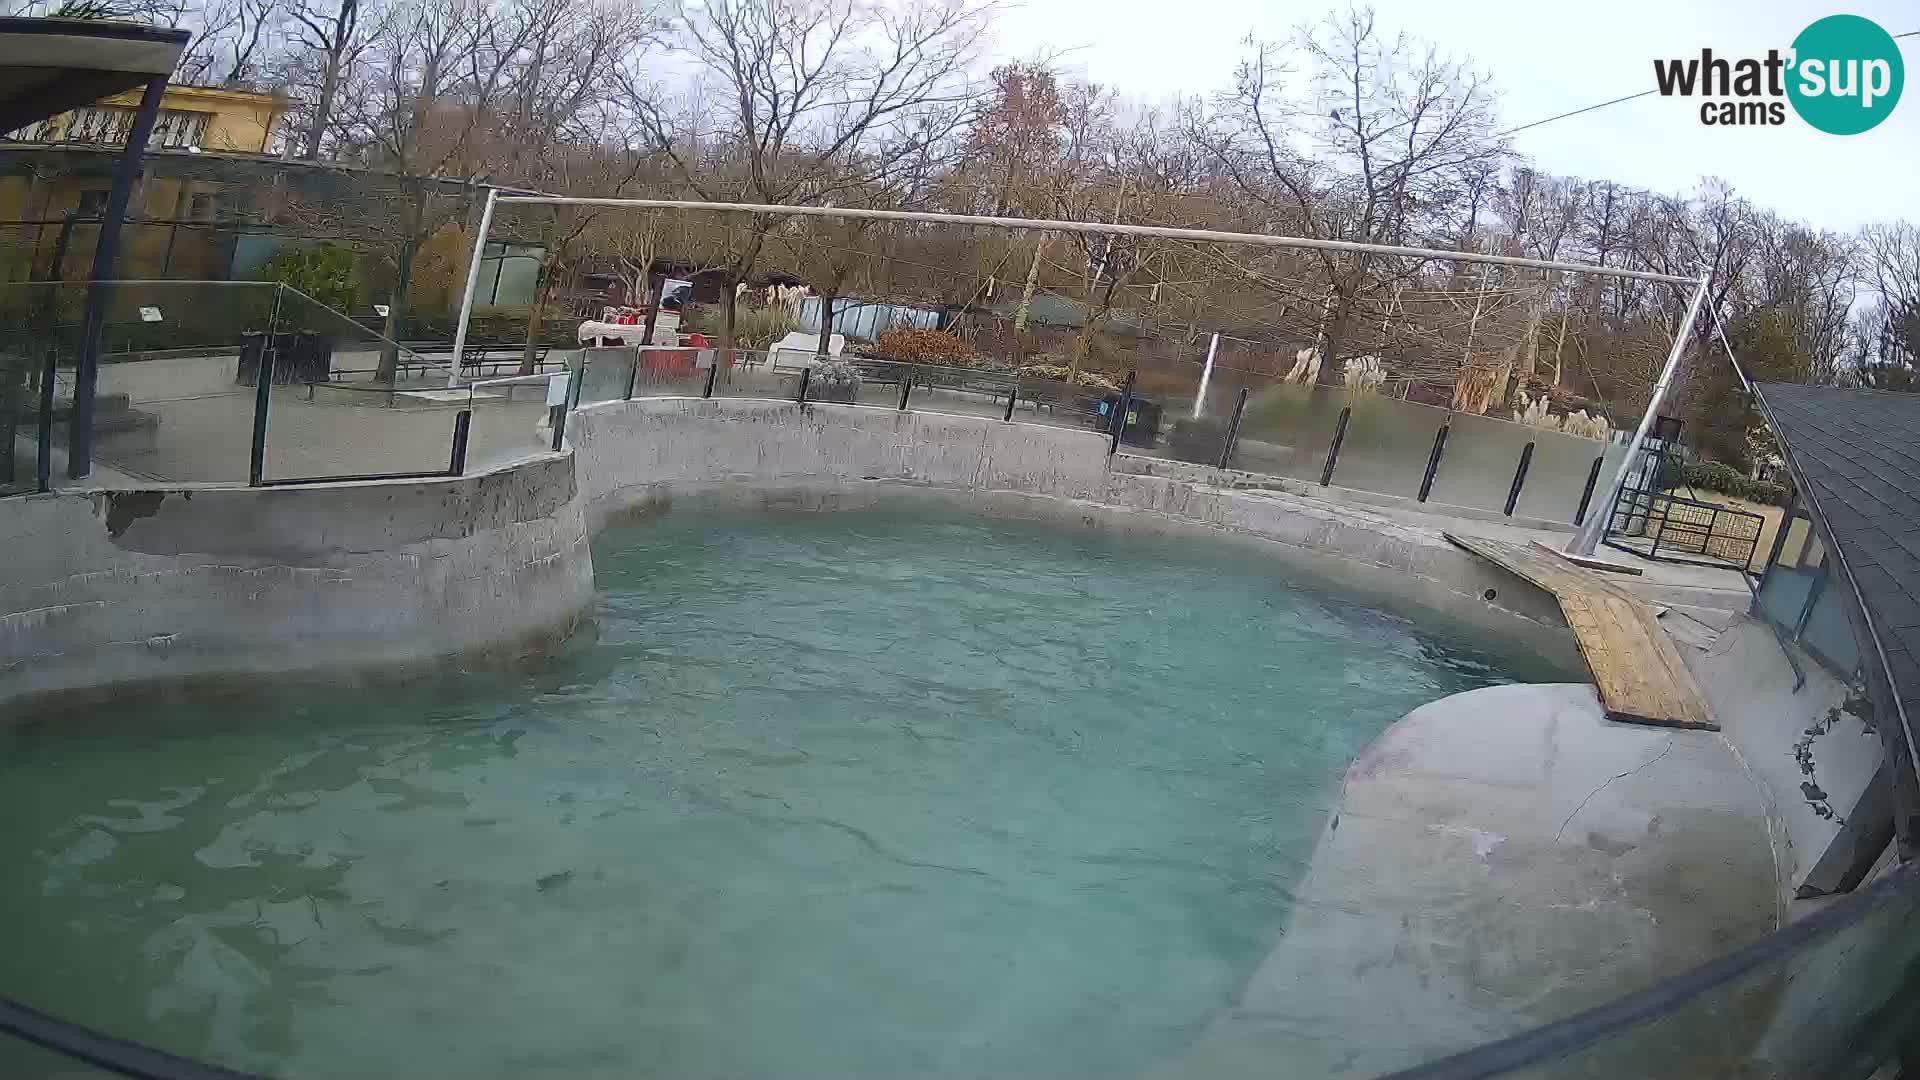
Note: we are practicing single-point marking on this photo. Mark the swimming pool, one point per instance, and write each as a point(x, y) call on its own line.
point(872, 793)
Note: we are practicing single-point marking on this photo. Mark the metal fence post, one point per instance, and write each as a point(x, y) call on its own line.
point(805, 374)
point(1519, 478)
point(1233, 429)
point(633, 375)
point(906, 387)
point(462, 421)
point(1586, 495)
point(1012, 392)
point(1333, 447)
point(1119, 423)
point(1433, 461)
point(713, 372)
point(262, 395)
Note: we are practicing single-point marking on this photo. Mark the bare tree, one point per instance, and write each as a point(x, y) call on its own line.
point(1396, 129)
point(820, 97)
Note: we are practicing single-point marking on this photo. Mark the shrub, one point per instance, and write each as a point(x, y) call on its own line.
point(1060, 373)
point(753, 327)
point(835, 380)
point(1726, 480)
point(323, 271)
point(912, 346)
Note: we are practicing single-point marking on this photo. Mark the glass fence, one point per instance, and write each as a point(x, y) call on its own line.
point(177, 396)
point(1248, 421)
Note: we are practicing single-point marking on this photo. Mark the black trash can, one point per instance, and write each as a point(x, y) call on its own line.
point(1143, 419)
point(299, 359)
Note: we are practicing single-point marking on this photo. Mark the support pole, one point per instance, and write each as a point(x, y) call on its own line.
point(1588, 538)
point(473, 285)
point(106, 252)
point(1519, 478)
point(1433, 461)
point(906, 387)
point(1233, 429)
point(263, 395)
point(1333, 447)
point(1119, 423)
point(713, 372)
point(1206, 375)
point(1012, 392)
point(806, 373)
point(1586, 493)
point(462, 423)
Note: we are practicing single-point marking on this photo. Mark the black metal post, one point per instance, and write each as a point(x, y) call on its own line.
point(1519, 478)
point(558, 416)
point(805, 374)
point(713, 372)
point(906, 387)
point(1433, 461)
point(633, 375)
point(262, 396)
point(106, 252)
point(1012, 392)
point(462, 420)
point(1119, 423)
point(1333, 447)
point(1233, 429)
point(43, 468)
point(1586, 495)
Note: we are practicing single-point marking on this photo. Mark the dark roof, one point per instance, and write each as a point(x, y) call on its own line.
point(49, 66)
point(1855, 455)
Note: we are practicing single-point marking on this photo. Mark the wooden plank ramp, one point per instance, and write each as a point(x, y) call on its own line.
point(1636, 667)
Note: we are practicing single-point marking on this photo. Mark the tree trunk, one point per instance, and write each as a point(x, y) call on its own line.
point(728, 309)
point(534, 316)
point(826, 325)
point(1033, 279)
point(397, 313)
point(323, 109)
point(1334, 339)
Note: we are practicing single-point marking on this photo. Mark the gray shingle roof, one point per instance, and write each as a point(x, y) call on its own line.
point(1856, 455)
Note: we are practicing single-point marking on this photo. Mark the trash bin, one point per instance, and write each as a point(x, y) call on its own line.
point(1143, 419)
point(299, 358)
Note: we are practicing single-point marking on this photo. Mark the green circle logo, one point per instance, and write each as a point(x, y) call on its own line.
point(1846, 75)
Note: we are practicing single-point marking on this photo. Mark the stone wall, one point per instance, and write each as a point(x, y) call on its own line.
point(112, 587)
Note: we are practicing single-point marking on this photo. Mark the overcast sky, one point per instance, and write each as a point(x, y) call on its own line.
point(1547, 58)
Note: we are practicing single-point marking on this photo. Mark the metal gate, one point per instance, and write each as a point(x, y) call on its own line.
point(1651, 522)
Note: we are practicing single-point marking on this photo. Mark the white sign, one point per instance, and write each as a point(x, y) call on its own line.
point(557, 389)
point(381, 310)
point(150, 314)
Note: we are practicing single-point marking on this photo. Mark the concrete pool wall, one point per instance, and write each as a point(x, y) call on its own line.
point(100, 588)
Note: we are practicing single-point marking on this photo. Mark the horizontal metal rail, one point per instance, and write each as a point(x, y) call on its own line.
point(1213, 236)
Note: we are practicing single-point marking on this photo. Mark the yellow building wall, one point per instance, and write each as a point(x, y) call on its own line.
point(240, 121)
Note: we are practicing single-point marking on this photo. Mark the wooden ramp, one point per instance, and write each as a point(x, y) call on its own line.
point(1636, 667)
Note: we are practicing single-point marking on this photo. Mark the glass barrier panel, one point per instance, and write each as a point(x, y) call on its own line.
point(174, 401)
point(749, 374)
point(347, 402)
point(671, 371)
point(38, 323)
point(23, 1060)
point(1838, 1006)
point(510, 422)
point(1286, 428)
point(605, 374)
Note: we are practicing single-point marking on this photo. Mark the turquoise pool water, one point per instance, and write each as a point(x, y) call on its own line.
point(860, 795)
